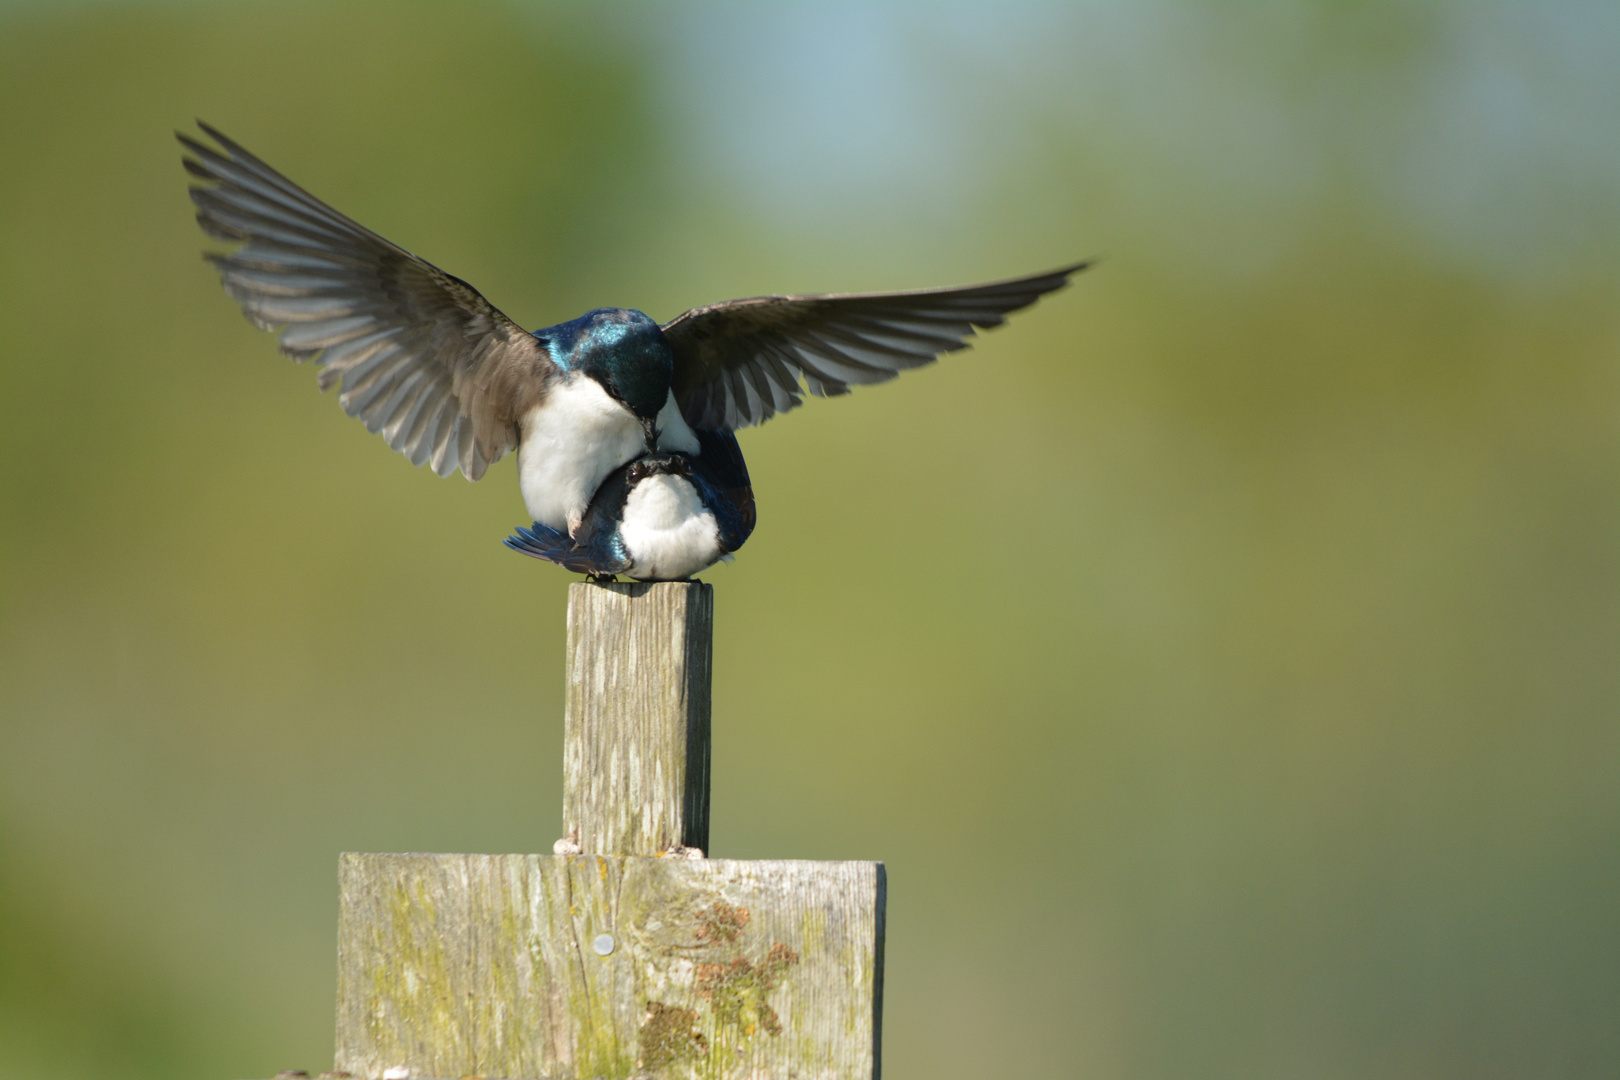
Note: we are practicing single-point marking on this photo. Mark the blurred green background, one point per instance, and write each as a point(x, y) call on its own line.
point(1222, 656)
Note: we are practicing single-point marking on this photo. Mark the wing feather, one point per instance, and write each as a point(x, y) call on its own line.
point(422, 357)
point(743, 361)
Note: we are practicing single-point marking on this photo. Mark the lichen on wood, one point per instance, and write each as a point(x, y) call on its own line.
point(462, 965)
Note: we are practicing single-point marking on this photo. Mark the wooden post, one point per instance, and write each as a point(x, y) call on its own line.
point(636, 727)
point(611, 959)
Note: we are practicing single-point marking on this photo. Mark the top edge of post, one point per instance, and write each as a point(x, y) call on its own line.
point(639, 588)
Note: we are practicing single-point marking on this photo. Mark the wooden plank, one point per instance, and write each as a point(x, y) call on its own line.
point(595, 966)
point(636, 722)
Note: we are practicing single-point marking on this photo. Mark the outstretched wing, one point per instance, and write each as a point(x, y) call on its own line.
point(423, 358)
point(742, 362)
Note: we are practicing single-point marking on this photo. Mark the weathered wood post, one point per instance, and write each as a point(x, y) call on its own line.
point(636, 726)
point(626, 953)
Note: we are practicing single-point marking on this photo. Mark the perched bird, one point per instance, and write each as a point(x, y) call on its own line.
point(425, 360)
point(661, 517)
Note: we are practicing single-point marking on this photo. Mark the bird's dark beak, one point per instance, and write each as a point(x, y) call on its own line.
point(649, 428)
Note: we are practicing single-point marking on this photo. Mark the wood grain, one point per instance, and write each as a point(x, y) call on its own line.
point(486, 965)
point(636, 723)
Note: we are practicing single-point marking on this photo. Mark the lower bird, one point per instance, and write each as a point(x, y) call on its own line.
point(662, 517)
point(449, 381)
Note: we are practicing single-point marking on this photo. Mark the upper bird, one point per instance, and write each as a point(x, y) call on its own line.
point(447, 379)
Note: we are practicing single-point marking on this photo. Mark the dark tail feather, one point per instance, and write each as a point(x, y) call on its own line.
point(541, 542)
point(600, 555)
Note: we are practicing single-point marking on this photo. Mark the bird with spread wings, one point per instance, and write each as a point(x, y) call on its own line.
point(422, 358)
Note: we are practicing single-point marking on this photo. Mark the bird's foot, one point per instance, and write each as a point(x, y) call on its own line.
point(601, 579)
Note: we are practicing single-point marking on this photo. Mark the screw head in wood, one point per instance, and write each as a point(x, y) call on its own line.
point(603, 944)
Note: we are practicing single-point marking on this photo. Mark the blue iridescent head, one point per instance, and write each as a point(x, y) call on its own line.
point(621, 349)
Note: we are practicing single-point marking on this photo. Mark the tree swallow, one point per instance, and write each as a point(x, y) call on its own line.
point(662, 517)
point(448, 380)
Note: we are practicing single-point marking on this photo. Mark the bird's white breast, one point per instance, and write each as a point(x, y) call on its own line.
point(571, 441)
point(673, 431)
point(667, 530)
point(574, 438)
